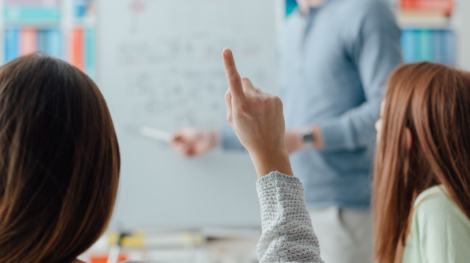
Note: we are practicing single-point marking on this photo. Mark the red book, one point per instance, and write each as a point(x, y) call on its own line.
point(441, 6)
point(77, 48)
point(104, 259)
point(28, 41)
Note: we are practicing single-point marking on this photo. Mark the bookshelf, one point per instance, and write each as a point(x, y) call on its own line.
point(428, 30)
point(65, 29)
point(460, 25)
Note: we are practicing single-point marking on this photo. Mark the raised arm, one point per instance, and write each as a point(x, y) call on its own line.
point(287, 230)
point(258, 121)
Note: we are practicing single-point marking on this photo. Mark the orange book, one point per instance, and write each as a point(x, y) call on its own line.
point(78, 48)
point(104, 259)
point(444, 6)
point(28, 41)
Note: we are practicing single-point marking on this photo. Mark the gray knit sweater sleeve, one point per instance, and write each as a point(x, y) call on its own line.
point(287, 230)
point(287, 234)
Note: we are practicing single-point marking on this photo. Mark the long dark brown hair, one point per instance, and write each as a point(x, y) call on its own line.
point(59, 161)
point(433, 102)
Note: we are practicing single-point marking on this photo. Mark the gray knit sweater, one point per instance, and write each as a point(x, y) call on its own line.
point(287, 234)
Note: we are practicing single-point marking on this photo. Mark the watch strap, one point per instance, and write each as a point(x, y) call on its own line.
point(307, 137)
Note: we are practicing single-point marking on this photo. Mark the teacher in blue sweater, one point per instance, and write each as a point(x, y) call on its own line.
point(335, 56)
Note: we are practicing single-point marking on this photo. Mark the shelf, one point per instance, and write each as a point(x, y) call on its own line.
point(64, 29)
point(32, 23)
point(418, 26)
point(25, 15)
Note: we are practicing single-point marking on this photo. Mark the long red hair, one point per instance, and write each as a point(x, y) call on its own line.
point(433, 102)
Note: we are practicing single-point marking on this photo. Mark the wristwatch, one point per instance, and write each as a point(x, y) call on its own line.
point(307, 137)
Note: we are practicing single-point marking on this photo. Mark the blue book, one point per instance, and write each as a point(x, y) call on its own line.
point(450, 48)
point(54, 44)
point(11, 44)
point(426, 46)
point(90, 52)
point(439, 46)
point(42, 41)
point(408, 45)
point(80, 9)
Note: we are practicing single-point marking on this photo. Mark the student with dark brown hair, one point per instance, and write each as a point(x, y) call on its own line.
point(59, 161)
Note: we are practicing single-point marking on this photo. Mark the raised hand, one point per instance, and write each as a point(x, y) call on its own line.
point(257, 119)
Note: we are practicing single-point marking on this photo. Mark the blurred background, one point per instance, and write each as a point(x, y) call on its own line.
point(158, 64)
point(67, 29)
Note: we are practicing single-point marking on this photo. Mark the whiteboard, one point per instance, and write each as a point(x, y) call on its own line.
point(160, 66)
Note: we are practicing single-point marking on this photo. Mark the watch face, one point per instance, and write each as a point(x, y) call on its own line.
point(307, 137)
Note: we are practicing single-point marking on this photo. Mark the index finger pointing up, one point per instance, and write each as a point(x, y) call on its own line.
point(233, 78)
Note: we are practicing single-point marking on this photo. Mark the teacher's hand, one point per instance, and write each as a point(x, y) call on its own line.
point(192, 142)
point(257, 119)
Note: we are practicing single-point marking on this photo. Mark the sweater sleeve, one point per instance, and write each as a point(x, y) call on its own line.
point(287, 232)
point(442, 231)
point(375, 50)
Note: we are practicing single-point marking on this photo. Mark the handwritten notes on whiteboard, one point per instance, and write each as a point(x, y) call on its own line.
point(161, 67)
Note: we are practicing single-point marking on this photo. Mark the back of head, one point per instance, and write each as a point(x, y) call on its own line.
point(59, 161)
point(433, 102)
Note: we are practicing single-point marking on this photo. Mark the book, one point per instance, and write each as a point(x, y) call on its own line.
point(28, 41)
point(439, 37)
point(426, 49)
point(90, 52)
point(42, 41)
point(429, 45)
point(450, 46)
point(54, 45)
point(77, 58)
point(443, 6)
point(422, 19)
point(409, 43)
point(11, 44)
point(80, 8)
